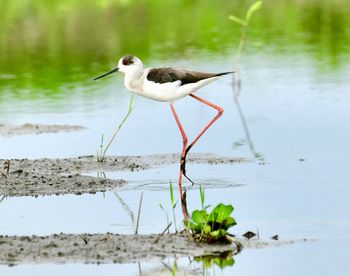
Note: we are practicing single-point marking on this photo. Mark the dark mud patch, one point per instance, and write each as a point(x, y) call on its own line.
point(107, 248)
point(26, 129)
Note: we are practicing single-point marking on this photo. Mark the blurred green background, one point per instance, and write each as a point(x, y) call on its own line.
point(47, 44)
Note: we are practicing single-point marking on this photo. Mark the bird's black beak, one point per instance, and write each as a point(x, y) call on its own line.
point(106, 74)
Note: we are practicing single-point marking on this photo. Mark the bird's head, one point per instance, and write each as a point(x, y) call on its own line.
point(128, 65)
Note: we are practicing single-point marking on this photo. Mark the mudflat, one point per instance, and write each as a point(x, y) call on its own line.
point(46, 176)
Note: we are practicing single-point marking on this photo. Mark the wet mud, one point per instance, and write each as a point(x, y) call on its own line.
point(26, 177)
point(26, 129)
point(111, 248)
point(19, 183)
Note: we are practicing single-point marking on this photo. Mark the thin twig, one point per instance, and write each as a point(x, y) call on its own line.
point(7, 166)
point(140, 271)
point(138, 214)
point(161, 234)
point(166, 266)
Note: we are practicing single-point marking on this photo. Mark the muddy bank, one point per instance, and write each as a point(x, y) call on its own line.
point(109, 248)
point(20, 183)
point(25, 129)
point(24, 177)
point(115, 163)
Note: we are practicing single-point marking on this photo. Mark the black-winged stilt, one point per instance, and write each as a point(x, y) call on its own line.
point(167, 85)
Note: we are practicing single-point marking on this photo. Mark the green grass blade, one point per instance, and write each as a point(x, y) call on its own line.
point(102, 157)
point(253, 8)
point(174, 269)
point(131, 104)
point(172, 198)
point(237, 20)
point(202, 194)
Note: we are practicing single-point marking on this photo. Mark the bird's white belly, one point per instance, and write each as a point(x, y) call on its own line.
point(163, 92)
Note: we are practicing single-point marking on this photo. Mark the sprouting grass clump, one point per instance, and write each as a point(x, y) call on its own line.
point(211, 226)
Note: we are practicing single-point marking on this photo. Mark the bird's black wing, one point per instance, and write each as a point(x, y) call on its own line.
point(163, 75)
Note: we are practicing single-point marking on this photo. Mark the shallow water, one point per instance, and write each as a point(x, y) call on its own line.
point(298, 123)
point(295, 103)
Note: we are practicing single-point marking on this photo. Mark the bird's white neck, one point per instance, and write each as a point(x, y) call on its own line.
point(133, 80)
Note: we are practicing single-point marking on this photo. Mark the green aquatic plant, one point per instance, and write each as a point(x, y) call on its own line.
point(103, 151)
point(211, 226)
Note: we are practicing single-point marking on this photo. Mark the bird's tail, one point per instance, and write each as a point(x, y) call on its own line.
point(224, 73)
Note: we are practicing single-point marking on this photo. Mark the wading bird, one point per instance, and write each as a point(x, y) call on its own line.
point(167, 85)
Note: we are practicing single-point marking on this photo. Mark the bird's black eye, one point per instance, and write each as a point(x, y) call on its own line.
point(127, 60)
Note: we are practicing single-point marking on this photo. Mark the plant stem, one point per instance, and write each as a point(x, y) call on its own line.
point(174, 219)
point(173, 203)
point(103, 156)
point(138, 214)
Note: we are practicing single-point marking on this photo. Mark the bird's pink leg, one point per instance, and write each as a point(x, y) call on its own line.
point(186, 149)
point(183, 154)
point(220, 111)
